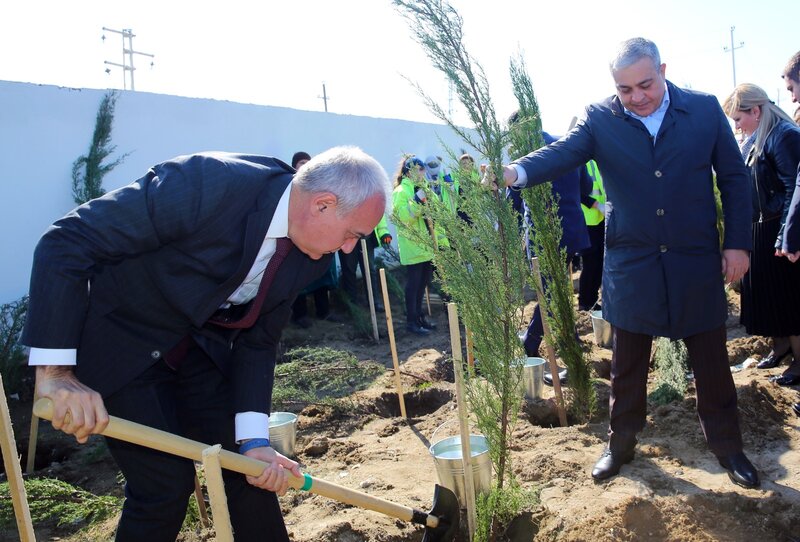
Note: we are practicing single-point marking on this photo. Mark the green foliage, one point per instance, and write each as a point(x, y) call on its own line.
point(12, 353)
point(360, 318)
point(496, 509)
point(50, 499)
point(556, 301)
point(483, 269)
point(720, 213)
point(313, 375)
point(88, 171)
point(671, 365)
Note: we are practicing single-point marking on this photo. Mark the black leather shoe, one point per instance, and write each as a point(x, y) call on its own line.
point(773, 360)
point(425, 323)
point(785, 380)
point(796, 408)
point(417, 330)
point(547, 378)
point(740, 470)
point(610, 462)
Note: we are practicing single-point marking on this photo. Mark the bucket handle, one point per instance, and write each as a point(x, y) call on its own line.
point(451, 420)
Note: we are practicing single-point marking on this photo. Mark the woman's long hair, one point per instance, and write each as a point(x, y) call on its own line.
point(744, 98)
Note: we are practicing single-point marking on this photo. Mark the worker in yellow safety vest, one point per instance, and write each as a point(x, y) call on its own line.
point(593, 207)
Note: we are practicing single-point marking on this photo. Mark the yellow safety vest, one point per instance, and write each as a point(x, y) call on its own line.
point(594, 216)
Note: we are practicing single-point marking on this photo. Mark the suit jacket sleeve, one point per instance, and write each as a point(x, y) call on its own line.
point(791, 234)
point(554, 160)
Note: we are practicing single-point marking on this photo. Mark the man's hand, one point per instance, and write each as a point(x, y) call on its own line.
point(735, 264)
point(276, 476)
point(791, 256)
point(77, 409)
point(489, 179)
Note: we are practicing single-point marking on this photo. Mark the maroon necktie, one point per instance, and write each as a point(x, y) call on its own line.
point(226, 318)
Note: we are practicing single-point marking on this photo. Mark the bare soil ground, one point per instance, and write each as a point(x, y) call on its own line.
point(673, 491)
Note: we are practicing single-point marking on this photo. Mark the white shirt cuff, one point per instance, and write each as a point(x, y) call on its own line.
point(53, 356)
point(251, 425)
point(522, 177)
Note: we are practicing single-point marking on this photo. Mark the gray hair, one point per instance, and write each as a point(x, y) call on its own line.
point(632, 51)
point(348, 173)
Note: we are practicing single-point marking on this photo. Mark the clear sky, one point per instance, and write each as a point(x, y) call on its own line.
point(280, 53)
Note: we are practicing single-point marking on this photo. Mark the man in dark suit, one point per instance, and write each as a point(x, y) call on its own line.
point(656, 145)
point(163, 303)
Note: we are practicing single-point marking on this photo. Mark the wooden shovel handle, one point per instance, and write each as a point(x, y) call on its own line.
point(156, 439)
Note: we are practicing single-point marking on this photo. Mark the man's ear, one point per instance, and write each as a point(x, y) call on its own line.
point(324, 202)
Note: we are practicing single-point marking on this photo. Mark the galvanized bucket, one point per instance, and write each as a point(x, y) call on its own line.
point(532, 374)
point(450, 469)
point(282, 432)
point(602, 330)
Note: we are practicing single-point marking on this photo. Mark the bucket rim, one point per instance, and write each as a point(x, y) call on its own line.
point(281, 418)
point(457, 438)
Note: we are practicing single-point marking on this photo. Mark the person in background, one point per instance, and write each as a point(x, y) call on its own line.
point(771, 288)
point(663, 272)
point(407, 201)
point(320, 287)
point(593, 206)
point(193, 269)
point(354, 260)
point(566, 190)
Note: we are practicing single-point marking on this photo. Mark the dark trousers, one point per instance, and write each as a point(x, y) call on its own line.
point(418, 277)
point(535, 332)
point(322, 305)
point(592, 272)
point(350, 263)
point(716, 393)
point(193, 402)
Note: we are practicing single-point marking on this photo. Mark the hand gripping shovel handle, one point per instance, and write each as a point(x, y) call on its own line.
point(156, 439)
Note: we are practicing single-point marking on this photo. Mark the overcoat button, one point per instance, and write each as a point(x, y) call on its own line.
point(658, 173)
point(663, 248)
point(155, 354)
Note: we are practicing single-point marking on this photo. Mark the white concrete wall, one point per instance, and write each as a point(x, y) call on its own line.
point(43, 129)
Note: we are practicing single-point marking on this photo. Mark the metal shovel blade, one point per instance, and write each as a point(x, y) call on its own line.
point(445, 507)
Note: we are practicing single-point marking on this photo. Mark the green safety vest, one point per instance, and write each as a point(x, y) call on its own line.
point(594, 216)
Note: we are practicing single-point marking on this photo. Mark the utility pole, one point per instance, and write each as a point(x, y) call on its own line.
point(324, 96)
point(127, 55)
point(732, 50)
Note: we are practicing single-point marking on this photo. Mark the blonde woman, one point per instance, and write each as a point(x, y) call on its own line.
point(771, 288)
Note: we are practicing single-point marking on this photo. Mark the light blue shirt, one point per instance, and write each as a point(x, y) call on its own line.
point(653, 121)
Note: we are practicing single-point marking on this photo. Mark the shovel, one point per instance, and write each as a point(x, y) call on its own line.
point(441, 523)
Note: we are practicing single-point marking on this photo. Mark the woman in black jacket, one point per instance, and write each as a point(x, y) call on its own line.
point(771, 288)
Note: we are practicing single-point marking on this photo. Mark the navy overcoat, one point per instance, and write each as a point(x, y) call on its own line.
point(663, 272)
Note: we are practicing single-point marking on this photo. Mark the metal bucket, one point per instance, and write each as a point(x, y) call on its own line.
point(450, 469)
point(282, 432)
point(532, 374)
point(602, 330)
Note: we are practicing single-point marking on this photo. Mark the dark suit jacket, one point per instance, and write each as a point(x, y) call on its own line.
point(662, 273)
point(125, 277)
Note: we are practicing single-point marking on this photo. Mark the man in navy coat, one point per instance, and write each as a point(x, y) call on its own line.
point(656, 146)
point(163, 303)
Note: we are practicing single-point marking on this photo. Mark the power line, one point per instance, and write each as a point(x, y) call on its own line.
point(127, 56)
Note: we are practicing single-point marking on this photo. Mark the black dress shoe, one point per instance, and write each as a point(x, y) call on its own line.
point(425, 323)
point(796, 408)
point(417, 330)
point(547, 378)
point(740, 470)
point(773, 360)
point(785, 380)
point(610, 462)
